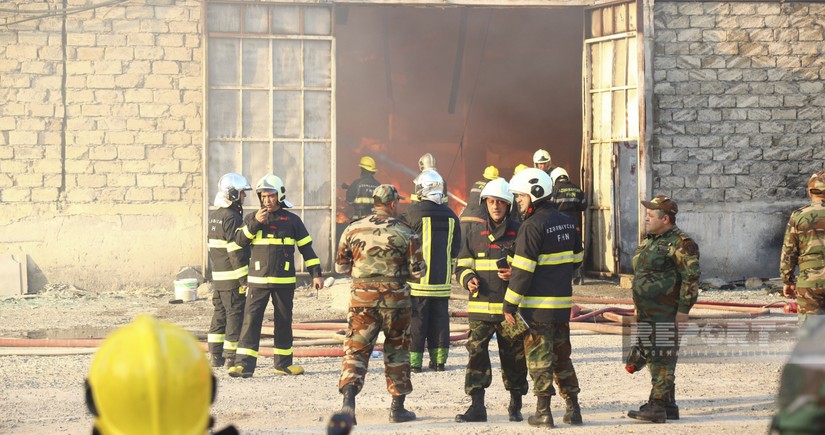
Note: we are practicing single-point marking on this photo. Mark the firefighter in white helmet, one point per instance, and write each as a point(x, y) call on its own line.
point(273, 232)
point(483, 269)
point(359, 193)
point(438, 227)
point(543, 161)
point(548, 251)
point(230, 265)
point(151, 378)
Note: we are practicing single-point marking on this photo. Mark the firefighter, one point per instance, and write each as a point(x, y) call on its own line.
point(427, 163)
point(273, 233)
point(569, 199)
point(359, 193)
point(151, 378)
point(543, 161)
point(230, 264)
point(440, 234)
point(474, 206)
point(548, 250)
point(484, 271)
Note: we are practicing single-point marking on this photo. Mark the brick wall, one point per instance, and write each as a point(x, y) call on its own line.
point(100, 140)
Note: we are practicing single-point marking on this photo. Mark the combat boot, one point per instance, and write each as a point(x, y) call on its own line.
point(514, 409)
point(653, 411)
point(477, 411)
point(397, 412)
point(543, 417)
point(573, 413)
point(671, 409)
point(349, 392)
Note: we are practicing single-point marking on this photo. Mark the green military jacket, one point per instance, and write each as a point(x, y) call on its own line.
point(665, 276)
point(804, 246)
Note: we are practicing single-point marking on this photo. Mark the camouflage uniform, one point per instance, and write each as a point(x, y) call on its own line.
point(380, 253)
point(804, 246)
point(665, 281)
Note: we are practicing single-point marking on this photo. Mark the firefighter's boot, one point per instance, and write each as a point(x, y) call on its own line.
point(653, 411)
point(543, 417)
point(477, 411)
point(514, 408)
point(573, 412)
point(397, 412)
point(349, 392)
point(217, 360)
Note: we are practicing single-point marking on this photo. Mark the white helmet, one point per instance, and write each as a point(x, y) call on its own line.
point(498, 189)
point(230, 187)
point(557, 173)
point(429, 186)
point(541, 156)
point(272, 183)
point(427, 161)
point(533, 182)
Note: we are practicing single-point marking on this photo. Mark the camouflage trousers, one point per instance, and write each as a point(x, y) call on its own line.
point(511, 353)
point(364, 324)
point(811, 301)
point(548, 357)
point(661, 359)
point(227, 319)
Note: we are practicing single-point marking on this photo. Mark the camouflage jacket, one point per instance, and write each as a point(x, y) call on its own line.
point(380, 253)
point(665, 276)
point(804, 246)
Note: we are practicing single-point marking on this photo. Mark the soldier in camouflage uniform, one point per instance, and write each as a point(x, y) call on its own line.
point(804, 246)
point(380, 253)
point(665, 287)
point(548, 250)
point(484, 271)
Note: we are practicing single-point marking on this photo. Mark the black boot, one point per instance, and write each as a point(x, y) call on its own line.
point(349, 392)
point(477, 411)
point(397, 412)
point(217, 360)
point(543, 417)
point(514, 409)
point(573, 413)
point(653, 411)
point(671, 408)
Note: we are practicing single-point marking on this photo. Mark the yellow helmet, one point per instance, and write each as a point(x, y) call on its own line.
point(368, 163)
point(519, 168)
point(150, 377)
point(491, 172)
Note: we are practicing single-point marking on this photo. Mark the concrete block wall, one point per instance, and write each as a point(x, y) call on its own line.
point(101, 141)
point(739, 96)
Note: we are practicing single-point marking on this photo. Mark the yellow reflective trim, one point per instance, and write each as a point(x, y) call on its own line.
point(230, 275)
point(485, 307)
point(512, 297)
point(466, 262)
point(232, 246)
point(524, 263)
point(430, 293)
point(245, 351)
point(486, 264)
point(286, 266)
point(464, 275)
point(304, 241)
point(426, 245)
point(271, 280)
point(546, 302)
point(215, 338)
point(558, 258)
point(246, 233)
point(287, 241)
point(287, 352)
point(363, 200)
point(230, 345)
point(449, 259)
point(217, 243)
point(312, 262)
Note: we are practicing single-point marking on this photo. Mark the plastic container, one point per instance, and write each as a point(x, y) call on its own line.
point(186, 289)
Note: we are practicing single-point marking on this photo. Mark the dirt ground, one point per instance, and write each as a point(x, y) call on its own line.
point(41, 389)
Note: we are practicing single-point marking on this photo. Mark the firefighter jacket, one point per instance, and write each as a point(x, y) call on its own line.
point(380, 253)
point(474, 200)
point(548, 250)
point(437, 225)
point(359, 195)
point(482, 246)
point(570, 200)
point(230, 262)
point(272, 257)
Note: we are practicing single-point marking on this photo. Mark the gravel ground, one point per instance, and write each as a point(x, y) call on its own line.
point(43, 394)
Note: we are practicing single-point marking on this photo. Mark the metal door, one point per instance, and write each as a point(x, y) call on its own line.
point(270, 106)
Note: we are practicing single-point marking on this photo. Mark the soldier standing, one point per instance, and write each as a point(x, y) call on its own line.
point(484, 271)
point(804, 246)
point(440, 234)
point(230, 265)
point(380, 253)
point(548, 250)
point(665, 287)
point(359, 193)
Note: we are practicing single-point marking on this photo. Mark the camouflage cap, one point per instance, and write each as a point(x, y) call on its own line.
point(386, 193)
point(817, 182)
point(663, 203)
